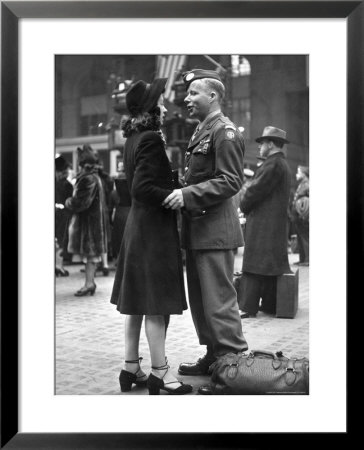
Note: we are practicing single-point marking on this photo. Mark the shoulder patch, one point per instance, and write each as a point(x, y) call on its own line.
point(229, 134)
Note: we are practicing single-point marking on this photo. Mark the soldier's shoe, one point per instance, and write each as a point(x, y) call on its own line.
point(200, 367)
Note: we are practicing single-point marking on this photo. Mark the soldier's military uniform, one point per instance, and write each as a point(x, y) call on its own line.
point(211, 231)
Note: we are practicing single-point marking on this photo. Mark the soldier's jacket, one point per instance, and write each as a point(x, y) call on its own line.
point(213, 175)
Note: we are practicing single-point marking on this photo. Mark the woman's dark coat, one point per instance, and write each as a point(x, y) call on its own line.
point(149, 275)
point(120, 204)
point(265, 204)
point(87, 229)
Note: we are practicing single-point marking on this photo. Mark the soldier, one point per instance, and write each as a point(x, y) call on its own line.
point(211, 229)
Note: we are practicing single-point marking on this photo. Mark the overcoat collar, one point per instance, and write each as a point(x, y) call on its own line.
point(205, 130)
point(273, 155)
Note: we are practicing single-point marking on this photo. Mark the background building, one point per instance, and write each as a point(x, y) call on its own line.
point(260, 90)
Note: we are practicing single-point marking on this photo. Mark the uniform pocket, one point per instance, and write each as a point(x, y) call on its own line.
point(201, 160)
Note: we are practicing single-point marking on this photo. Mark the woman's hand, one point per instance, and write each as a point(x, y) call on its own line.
point(174, 200)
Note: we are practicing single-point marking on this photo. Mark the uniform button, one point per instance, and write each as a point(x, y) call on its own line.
point(185, 184)
point(188, 153)
point(186, 168)
point(203, 212)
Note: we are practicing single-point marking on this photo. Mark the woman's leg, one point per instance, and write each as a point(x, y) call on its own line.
point(133, 326)
point(105, 263)
point(155, 329)
point(90, 274)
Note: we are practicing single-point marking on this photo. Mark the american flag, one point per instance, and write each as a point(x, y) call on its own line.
point(169, 66)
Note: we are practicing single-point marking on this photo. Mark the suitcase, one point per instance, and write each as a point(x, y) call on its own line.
point(287, 294)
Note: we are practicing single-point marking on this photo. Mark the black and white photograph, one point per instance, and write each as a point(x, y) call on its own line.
point(182, 224)
point(181, 185)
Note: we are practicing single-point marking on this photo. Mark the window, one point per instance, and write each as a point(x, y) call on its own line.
point(240, 66)
point(94, 124)
point(242, 115)
point(93, 118)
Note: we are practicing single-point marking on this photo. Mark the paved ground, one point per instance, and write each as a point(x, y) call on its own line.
point(89, 336)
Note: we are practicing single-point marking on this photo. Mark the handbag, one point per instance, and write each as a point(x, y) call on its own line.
point(302, 206)
point(259, 373)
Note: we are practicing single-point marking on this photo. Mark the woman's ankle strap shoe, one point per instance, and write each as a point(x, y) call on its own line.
point(88, 291)
point(127, 379)
point(131, 361)
point(155, 384)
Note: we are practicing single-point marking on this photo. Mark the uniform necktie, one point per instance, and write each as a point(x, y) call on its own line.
point(195, 133)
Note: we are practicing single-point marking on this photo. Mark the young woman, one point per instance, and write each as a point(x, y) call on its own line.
point(87, 238)
point(149, 274)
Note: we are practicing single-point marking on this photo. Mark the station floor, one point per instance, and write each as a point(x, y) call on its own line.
point(90, 332)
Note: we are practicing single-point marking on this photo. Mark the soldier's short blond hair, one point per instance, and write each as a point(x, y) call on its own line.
point(216, 86)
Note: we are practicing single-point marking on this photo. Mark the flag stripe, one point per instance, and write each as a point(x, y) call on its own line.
point(168, 67)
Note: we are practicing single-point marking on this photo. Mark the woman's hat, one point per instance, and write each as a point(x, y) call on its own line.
point(273, 133)
point(87, 155)
point(143, 97)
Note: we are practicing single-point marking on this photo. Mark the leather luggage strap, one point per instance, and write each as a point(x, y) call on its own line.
point(290, 372)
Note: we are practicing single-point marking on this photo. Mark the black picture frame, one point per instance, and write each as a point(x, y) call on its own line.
point(11, 12)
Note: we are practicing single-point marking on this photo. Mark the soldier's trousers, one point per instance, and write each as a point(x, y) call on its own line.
point(213, 302)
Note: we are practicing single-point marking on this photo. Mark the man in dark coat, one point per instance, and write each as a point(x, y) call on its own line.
point(63, 190)
point(265, 204)
point(211, 229)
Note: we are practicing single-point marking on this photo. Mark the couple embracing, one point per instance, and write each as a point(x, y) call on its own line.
point(149, 279)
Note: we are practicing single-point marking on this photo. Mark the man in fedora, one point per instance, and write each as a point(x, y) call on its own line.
point(265, 205)
point(211, 229)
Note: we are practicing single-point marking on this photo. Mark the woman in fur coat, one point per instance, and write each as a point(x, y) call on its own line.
point(87, 236)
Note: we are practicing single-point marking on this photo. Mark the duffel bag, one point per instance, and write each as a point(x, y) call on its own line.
point(259, 373)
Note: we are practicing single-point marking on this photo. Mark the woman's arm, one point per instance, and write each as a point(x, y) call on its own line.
point(83, 194)
point(150, 159)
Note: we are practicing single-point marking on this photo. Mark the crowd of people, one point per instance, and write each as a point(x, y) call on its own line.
point(222, 206)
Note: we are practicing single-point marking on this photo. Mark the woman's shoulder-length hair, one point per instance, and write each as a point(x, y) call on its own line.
point(146, 121)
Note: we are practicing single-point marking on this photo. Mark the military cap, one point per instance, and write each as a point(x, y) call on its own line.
point(198, 74)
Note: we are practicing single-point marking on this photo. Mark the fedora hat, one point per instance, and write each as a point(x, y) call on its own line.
point(273, 133)
point(143, 97)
